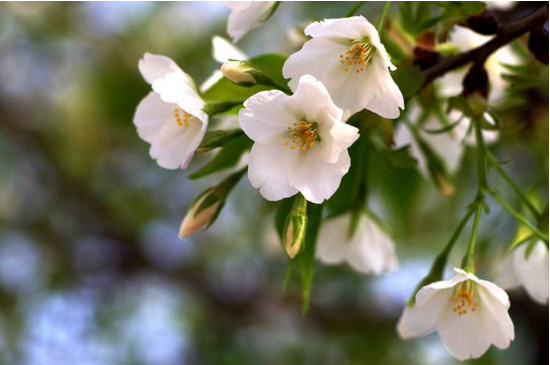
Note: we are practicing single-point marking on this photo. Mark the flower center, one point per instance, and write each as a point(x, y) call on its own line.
point(358, 55)
point(182, 117)
point(464, 299)
point(302, 135)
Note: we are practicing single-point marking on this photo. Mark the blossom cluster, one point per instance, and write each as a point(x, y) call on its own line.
point(301, 135)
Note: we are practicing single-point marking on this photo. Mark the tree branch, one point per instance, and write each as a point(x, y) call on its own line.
point(506, 34)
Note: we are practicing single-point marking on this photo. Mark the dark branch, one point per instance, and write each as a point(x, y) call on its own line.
point(478, 55)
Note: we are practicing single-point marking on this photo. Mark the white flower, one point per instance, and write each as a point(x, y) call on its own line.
point(369, 249)
point(300, 142)
point(222, 51)
point(469, 314)
point(450, 146)
point(346, 55)
point(466, 39)
point(246, 15)
point(170, 118)
point(529, 270)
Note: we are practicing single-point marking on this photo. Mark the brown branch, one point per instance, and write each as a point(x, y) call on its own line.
point(506, 34)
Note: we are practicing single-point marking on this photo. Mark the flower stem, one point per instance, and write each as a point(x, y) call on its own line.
point(356, 7)
point(496, 165)
point(499, 199)
point(383, 16)
point(479, 202)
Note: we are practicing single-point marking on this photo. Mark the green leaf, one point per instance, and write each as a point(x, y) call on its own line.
point(409, 79)
point(401, 158)
point(215, 139)
point(227, 157)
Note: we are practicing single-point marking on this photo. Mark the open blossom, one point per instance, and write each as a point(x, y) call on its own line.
point(346, 55)
point(469, 314)
point(246, 15)
point(170, 118)
point(369, 249)
point(300, 142)
point(450, 146)
point(527, 266)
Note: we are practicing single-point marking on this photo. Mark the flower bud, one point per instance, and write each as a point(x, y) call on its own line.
point(485, 23)
point(202, 213)
point(205, 209)
point(425, 58)
point(476, 81)
point(295, 227)
point(239, 72)
point(538, 44)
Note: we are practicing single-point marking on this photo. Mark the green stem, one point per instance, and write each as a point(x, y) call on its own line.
point(356, 7)
point(436, 271)
point(468, 261)
point(496, 165)
point(499, 199)
point(383, 16)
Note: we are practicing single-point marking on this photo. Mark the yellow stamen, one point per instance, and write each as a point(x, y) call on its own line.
point(181, 117)
point(358, 55)
point(302, 135)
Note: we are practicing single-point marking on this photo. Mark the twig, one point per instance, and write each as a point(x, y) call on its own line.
point(507, 33)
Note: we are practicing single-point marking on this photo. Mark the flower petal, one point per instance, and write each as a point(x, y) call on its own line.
point(533, 271)
point(268, 171)
point(421, 319)
point(499, 328)
point(154, 67)
point(175, 88)
point(371, 249)
point(246, 15)
point(355, 27)
point(151, 115)
point(316, 180)
point(266, 116)
point(506, 277)
point(223, 51)
point(332, 246)
point(175, 145)
point(316, 58)
point(464, 335)
point(387, 99)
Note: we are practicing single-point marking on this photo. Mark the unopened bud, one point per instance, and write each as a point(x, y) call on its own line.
point(425, 58)
point(295, 227)
point(203, 211)
point(538, 44)
point(485, 23)
point(476, 81)
point(239, 72)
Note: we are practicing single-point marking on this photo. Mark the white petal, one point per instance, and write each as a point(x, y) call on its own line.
point(315, 179)
point(154, 67)
point(223, 51)
point(388, 98)
point(371, 249)
point(464, 335)
point(355, 27)
point(332, 244)
point(506, 277)
point(175, 145)
point(342, 136)
point(266, 117)
point(421, 319)
point(246, 15)
point(533, 271)
point(499, 328)
point(268, 171)
point(175, 88)
point(151, 115)
point(316, 58)
point(496, 292)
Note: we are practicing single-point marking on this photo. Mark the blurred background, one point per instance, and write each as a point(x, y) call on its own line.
point(91, 269)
